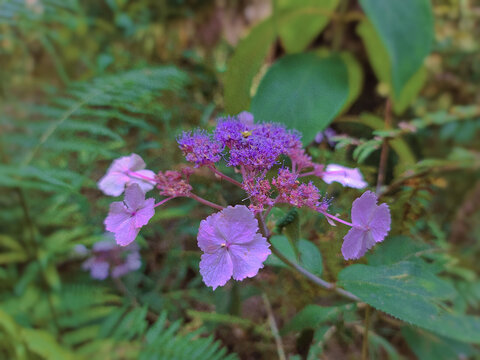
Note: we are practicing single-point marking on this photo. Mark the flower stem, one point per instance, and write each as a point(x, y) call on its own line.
point(336, 219)
point(315, 279)
point(382, 167)
point(205, 202)
point(225, 177)
point(164, 201)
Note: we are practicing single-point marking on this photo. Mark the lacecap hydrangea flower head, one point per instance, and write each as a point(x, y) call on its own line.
point(270, 165)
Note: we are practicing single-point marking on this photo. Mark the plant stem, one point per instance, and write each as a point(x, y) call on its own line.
point(336, 219)
point(365, 333)
point(225, 177)
point(274, 328)
point(315, 279)
point(205, 202)
point(164, 201)
point(382, 167)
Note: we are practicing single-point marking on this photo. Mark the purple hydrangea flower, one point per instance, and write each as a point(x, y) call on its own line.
point(120, 174)
point(346, 176)
point(232, 246)
point(371, 224)
point(107, 258)
point(126, 218)
point(199, 148)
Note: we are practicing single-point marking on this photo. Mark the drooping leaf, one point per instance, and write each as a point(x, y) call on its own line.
point(406, 30)
point(302, 91)
point(411, 293)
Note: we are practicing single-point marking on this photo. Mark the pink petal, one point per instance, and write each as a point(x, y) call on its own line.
point(363, 208)
point(209, 239)
point(134, 197)
point(126, 233)
point(117, 216)
point(216, 268)
point(134, 162)
point(380, 224)
point(356, 243)
point(237, 224)
point(248, 257)
point(99, 270)
point(143, 215)
point(346, 176)
point(113, 183)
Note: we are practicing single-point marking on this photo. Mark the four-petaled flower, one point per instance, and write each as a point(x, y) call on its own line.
point(125, 218)
point(123, 172)
point(232, 246)
point(371, 224)
point(346, 176)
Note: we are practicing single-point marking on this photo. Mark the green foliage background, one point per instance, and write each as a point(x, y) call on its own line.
point(85, 82)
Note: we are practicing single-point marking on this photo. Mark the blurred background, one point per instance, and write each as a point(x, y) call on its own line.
point(85, 82)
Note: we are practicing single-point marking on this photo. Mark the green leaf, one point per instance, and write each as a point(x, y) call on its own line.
point(396, 249)
point(406, 30)
point(310, 256)
point(314, 316)
point(303, 91)
point(309, 19)
point(245, 64)
point(428, 346)
point(409, 292)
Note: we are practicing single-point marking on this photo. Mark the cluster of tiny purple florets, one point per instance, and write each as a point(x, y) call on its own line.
point(255, 149)
point(199, 148)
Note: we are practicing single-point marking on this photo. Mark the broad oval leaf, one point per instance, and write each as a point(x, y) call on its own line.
point(302, 91)
point(411, 293)
point(406, 29)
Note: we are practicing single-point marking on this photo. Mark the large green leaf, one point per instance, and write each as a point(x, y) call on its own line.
point(302, 91)
point(381, 64)
point(245, 64)
point(413, 294)
point(427, 346)
point(309, 18)
point(406, 30)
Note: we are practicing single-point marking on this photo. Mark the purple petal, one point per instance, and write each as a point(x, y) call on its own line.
point(117, 216)
point(132, 263)
point(356, 243)
point(134, 162)
point(134, 197)
point(248, 257)
point(237, 224)
point(363, 209)
point(126, 233)
point(145, 185)
point(209, 239)
point(346, 176)
point(99, 270)
point(143, 215)
point(113, 183)
point(216, 268)
point(380, 223)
